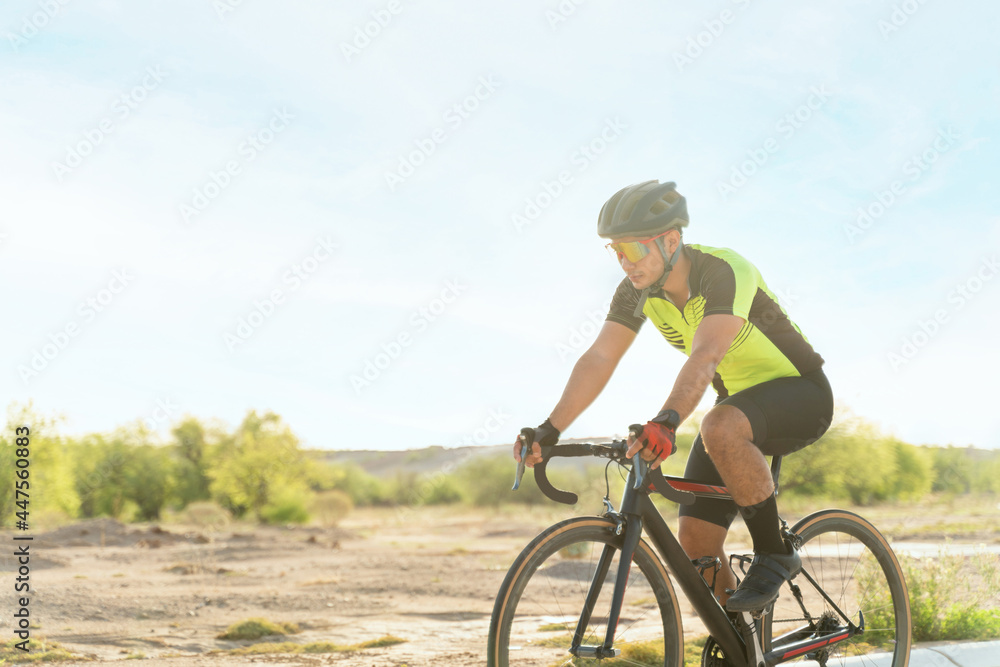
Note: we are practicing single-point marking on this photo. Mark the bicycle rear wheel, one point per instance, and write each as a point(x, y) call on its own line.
point(541, 600)
point(854, 565)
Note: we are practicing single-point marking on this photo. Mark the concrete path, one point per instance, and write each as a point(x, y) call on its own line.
point(977, 654)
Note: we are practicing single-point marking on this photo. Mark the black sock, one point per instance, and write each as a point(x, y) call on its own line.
point(762, 521)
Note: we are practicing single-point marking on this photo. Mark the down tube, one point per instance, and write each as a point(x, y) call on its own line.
point(694, 587)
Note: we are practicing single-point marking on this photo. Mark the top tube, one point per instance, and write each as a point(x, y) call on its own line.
point(704, 490)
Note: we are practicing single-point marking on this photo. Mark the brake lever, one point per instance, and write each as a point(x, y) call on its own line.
point(520, 468)
point(641, 465)
point(526, 437)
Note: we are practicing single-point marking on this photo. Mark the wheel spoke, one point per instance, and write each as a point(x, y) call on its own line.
point(527, 635)
point(851, 563)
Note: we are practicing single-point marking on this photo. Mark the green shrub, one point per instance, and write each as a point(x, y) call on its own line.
point(331, 506)
point(436, 489)
point(953, 470)
point(951, 596)
point(288, 505)
point(255, 628)
point(441, 490)
point(38, 651)
point(363, 489)
point(52, 466)
point(191, 450)
point(485, 481)
point(261, 470)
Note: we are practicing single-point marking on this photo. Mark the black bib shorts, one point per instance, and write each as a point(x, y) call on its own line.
point(786, 414)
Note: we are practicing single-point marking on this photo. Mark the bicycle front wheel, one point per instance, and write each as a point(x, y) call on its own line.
point(540, 603)
point(851, 561)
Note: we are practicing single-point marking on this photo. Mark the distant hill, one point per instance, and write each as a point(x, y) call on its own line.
point(430, 459)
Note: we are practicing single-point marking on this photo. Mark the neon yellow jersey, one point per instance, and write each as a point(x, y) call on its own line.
point(768, 346)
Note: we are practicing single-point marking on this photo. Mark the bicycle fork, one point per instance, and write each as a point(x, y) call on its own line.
point(633, 530)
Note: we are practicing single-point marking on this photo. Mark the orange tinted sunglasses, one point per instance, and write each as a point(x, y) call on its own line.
point(633, 250)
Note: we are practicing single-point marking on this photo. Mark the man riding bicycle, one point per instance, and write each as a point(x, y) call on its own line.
point(773, 397)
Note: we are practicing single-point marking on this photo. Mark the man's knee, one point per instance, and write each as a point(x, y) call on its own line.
point(699, 537)
point(723, 425)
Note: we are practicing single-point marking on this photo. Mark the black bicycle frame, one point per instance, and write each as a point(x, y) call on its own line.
point(639, 512)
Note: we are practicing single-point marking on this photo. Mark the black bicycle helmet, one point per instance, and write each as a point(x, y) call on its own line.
point(644, 209)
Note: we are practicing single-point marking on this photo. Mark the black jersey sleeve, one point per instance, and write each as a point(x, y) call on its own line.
point(728, 283)
point(623, 306)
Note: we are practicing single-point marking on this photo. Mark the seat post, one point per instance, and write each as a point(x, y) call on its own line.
point(775, 471)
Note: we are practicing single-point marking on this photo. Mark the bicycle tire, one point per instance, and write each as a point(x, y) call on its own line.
point(541, 599)
point(858, 570)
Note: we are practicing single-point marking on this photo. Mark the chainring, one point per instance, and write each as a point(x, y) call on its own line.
point(712, 655)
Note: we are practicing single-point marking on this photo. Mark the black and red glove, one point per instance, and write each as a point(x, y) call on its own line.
point(659, 434)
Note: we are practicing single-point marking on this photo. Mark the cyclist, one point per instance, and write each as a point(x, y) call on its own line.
point(773, 397)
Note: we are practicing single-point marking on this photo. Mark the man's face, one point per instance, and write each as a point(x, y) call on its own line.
point(644, 272)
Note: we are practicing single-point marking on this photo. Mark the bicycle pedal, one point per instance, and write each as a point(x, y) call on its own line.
point(730, 591)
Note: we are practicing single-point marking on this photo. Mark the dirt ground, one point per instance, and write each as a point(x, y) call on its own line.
point(109, 592)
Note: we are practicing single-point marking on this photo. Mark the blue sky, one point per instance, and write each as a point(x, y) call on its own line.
point(217, 206)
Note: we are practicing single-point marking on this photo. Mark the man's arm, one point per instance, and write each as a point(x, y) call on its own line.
point(589, 377)
point(711, 342)
point(591, 373)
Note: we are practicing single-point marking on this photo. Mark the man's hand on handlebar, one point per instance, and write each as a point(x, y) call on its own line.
point(656, 440)
point(545, 434)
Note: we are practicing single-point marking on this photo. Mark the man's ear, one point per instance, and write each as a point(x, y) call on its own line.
point(673, 240)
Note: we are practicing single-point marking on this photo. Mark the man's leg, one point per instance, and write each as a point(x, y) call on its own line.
point(776, 418)
point(729, 441)
point(703, 525)
point(700, 538)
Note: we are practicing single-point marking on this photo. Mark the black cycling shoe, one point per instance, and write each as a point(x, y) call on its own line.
point(766, 574)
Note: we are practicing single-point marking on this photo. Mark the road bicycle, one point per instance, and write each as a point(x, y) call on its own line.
point(595, 590)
